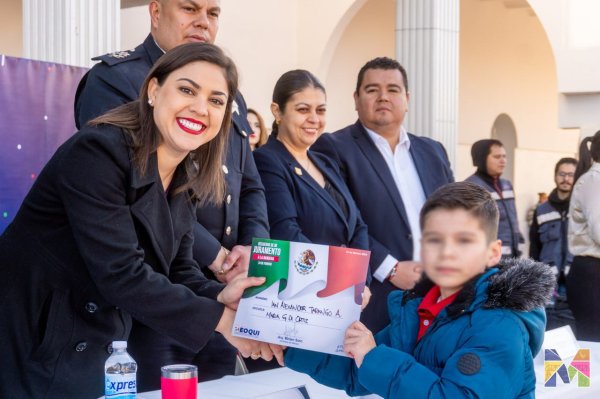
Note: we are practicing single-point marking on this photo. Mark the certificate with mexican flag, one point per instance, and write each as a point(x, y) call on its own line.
point(311, 295)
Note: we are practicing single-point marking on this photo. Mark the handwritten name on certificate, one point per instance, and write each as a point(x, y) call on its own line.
point(311, 295)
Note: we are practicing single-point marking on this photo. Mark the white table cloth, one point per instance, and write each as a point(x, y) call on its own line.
point(255, 384)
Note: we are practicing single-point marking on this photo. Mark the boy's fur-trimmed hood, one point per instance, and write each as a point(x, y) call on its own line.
point(521, 284)
point(517, 284)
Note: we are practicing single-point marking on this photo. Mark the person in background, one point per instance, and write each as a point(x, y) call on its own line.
point(223, 232)
point(583, 279)
point(307, 198)
point(542, 197)
point(389, 173)
point(469, 329)
point(549, 243)
point(105, 234)
point(259, 135)
point(489, 156)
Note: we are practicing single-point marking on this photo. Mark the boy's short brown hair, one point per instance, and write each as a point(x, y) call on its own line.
point(470, 197)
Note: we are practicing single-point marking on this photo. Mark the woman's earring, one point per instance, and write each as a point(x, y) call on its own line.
point(150, 102)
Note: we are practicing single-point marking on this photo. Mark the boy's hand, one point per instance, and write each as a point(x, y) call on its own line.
point(358, 342)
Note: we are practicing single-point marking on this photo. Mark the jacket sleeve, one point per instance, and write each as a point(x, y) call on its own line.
point(253, 219)
point(334, 371)
point(535, 245)
point(205, 247)
point(360, 236)
point(476, 370)
point(102, 89)
point(590, 192)
point(283, 216)
point(326, 146)
point(184, 270)
point(92, 179)
point(360, 239)
point(447, 168)
point(519, 235)
point(253, 204)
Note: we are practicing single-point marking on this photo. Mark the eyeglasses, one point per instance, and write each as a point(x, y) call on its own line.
point(565, 174)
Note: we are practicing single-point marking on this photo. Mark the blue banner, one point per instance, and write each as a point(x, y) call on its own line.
point(36, 116)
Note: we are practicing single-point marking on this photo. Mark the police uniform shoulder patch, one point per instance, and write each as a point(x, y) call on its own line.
point(469, 364)
point(118, 56)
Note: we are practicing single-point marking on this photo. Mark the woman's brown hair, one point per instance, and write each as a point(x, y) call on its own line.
point(204, 164)
point(264, 134)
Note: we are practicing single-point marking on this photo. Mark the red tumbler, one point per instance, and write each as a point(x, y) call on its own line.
point(179, 381)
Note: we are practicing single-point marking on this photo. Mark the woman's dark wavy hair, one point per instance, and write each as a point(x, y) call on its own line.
point(290, 83)
point(203, 165)
point(588, 154)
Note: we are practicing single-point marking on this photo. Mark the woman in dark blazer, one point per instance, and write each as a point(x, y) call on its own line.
point(304, 208)
point(307, 200)
point(105, 234)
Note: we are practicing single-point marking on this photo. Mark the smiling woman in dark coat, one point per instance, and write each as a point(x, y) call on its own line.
point(105, 234)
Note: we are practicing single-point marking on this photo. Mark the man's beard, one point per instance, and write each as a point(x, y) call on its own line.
point(564, 192)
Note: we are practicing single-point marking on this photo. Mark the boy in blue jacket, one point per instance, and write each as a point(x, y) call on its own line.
point(469, 329)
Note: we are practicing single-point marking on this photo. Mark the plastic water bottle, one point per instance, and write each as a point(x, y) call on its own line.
point(119, 373)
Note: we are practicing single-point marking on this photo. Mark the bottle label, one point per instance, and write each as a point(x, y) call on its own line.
point(122, 386)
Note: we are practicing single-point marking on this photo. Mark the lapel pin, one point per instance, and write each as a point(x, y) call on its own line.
point(236, 109)
point(298, 171)
point(244, 133)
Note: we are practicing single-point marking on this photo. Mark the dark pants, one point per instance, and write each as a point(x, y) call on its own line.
point(583, 291)
point(151, 351)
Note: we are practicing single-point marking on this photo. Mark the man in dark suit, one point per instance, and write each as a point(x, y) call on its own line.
point(223, 234)
point(390, 173)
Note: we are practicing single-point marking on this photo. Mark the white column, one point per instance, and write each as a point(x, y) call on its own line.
point(70, 31)
point(427, 34)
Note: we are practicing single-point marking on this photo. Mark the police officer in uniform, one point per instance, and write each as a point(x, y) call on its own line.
point(223, 234)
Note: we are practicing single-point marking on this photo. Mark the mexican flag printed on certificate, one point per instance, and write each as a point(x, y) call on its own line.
point(311, 295)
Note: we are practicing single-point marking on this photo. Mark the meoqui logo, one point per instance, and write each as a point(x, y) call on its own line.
point(579, 368)
point(247, 331)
